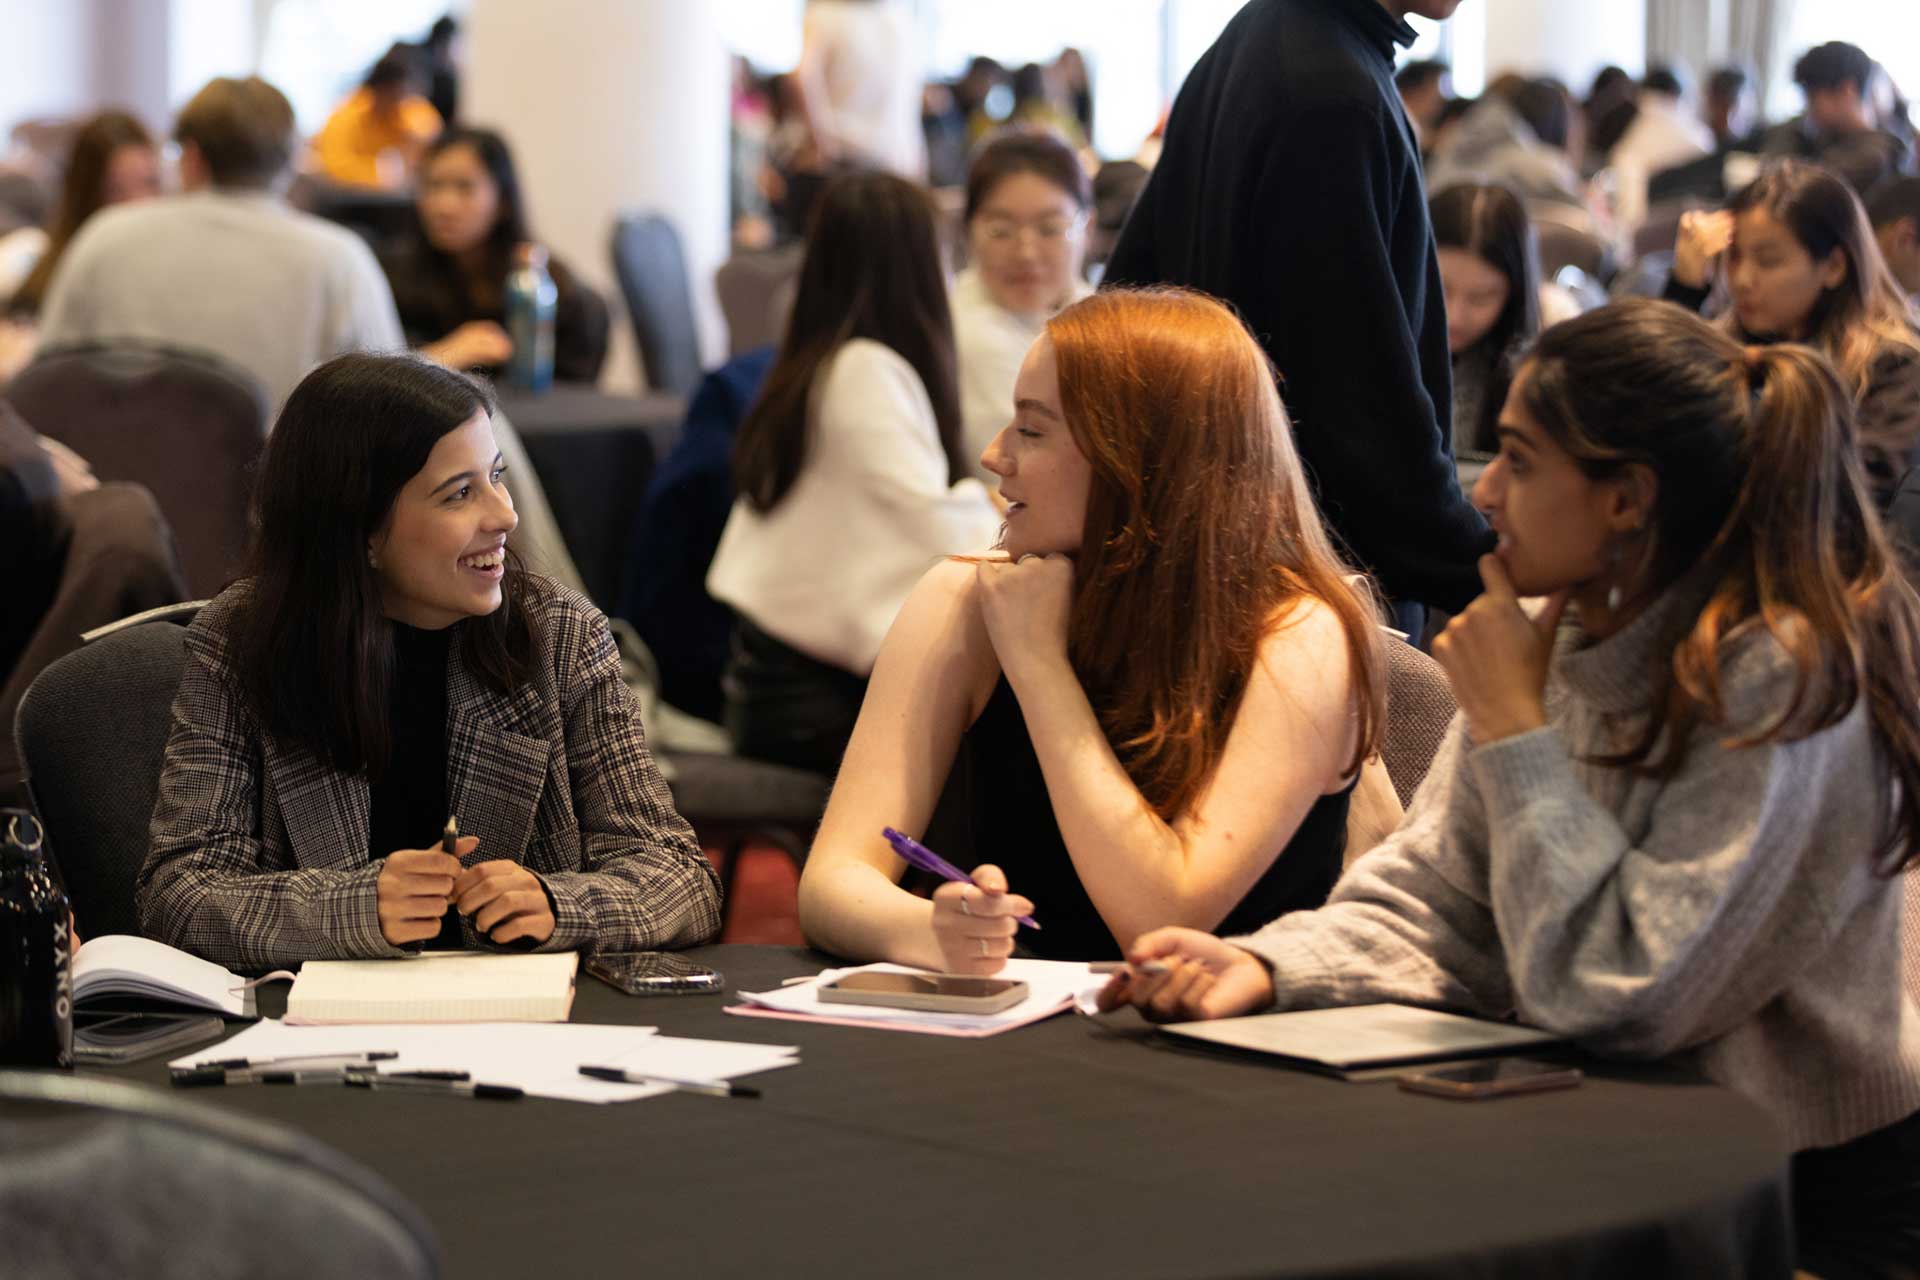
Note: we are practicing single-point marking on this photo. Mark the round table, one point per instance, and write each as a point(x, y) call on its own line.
point(1075, 1147)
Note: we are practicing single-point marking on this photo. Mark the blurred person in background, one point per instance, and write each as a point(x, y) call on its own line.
point(375, 138)
point(1662, 132)
point(850, 474)
point(1039, 104)
point(226, 266)
point(1026, 219)
point(1802, 265)
point(1425, 88)
point(1075, 85)
point(860, 85)
point(1842, 128)
point(114, 161)
point(440, 62)
point(1490, 267)
point(1729, 110)
point(449, 274)
point(1894, 210)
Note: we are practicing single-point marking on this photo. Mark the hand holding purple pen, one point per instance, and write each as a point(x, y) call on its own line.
point(914, 853)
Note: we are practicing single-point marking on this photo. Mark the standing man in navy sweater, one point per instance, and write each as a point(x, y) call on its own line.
point(1290, 186)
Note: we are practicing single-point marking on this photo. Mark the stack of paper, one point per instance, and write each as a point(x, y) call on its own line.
point(544, 1059)
point(1052, 987)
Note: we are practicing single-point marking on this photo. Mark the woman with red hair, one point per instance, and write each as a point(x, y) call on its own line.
point(1160, 695)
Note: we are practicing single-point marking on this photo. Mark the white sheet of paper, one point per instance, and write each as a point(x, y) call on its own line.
point(1050, 983)
point(543, 1058)
point(682, 1059)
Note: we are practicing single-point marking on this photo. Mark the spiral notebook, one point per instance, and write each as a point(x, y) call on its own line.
point(437, 986)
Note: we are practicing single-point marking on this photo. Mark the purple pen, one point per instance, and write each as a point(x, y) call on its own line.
point(916, 854)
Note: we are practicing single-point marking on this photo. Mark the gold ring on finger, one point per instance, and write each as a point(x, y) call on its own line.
point(983, 947)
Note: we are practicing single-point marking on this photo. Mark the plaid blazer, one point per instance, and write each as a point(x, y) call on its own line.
point(257, 853)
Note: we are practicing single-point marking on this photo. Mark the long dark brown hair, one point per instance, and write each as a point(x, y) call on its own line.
point(872, 270)
point(510, 226)
point(81, 194)
point(1761, 488)
point(1201, 534)
point(1489, 222)
point(314, 647)
point(1858, 319)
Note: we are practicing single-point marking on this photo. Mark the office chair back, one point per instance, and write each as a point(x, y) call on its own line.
point(92, 732)
point(652, 270)
point(1420, 706)
point(186, 425)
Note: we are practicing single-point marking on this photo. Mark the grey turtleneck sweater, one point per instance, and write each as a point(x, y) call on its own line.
point(1727, 917)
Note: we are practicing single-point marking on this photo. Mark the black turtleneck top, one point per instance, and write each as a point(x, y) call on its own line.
point(409, 800)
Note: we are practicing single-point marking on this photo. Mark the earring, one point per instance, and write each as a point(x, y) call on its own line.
point(373, 561)
point(1614, 593)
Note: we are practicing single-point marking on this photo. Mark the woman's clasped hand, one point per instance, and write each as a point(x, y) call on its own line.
point(416, 886)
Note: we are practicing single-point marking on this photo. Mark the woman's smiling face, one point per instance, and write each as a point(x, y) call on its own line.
point(1043, 475)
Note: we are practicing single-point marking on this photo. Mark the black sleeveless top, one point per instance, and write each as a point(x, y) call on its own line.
point(1013, 827)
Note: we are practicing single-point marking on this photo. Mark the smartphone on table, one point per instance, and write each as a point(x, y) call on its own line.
point(1492, 1078)
point(929, 992)
point(653, 973)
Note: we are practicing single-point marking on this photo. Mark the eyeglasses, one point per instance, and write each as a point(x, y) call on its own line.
point(1049, 231)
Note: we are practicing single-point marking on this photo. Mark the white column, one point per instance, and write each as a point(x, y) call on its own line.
point(610, 107)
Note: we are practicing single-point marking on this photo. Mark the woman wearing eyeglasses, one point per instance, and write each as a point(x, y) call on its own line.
point(1027, 201)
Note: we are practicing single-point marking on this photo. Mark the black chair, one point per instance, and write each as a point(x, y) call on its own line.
point(115, 556)
point(185, 424)
point(652, 270)
point(101, 1178)
point(1420, 706)
point(92, 732)
point(731, 800)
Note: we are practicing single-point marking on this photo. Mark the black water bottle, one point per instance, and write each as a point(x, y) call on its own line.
point(36, 965)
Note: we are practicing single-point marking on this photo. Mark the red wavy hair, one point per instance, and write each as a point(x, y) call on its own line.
point(1201, 534)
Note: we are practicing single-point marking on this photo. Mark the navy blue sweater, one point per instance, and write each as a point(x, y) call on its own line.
point(1290, 186)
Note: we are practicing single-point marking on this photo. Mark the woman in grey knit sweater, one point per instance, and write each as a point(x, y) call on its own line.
point(1665, 822)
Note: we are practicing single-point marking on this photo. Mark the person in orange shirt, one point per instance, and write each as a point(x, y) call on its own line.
point(376, 137)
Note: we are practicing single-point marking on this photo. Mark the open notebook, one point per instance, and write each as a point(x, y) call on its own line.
point(437, 986)
point(117, 971)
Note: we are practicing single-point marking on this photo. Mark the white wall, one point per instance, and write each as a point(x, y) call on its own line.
point(610, 107)
point(1571, 39)
point(46, 59)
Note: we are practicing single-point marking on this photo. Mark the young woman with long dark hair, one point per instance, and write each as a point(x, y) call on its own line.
point(1161, 694)
point(1802, 265)
point(1490, 269)
point(113, 161)
point(849, 471)
point(449, 273)
point(1668, 820)
point(384, 664)
point(1026, 216)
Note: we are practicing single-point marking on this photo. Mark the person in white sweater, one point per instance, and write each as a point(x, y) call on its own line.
point(1666, 821)
point(850, 475)
point(1026, 216)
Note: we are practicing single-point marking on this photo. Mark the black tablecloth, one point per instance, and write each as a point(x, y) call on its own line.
point(594, 453)
point(1076, 1147)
